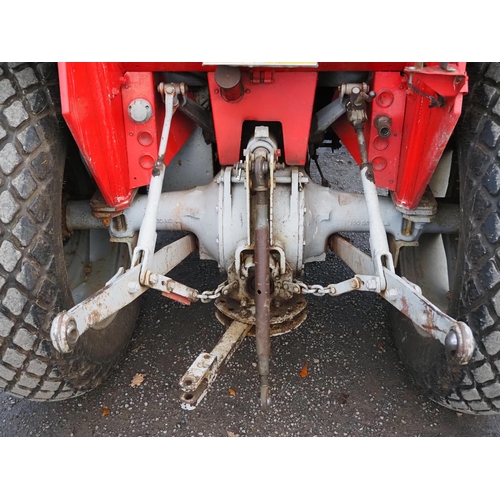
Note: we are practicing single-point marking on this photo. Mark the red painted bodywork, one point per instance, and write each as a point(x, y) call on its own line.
point(285, 97)
point(384, 153)
point(420, 133)
point(143, 138)
point(92, 107)
point(94, 99)
point(427, 129)
point(120, 152)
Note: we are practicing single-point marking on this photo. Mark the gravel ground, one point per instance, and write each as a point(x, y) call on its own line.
point(355, 385)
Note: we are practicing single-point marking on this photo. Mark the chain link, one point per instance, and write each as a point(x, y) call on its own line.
point(317, 290)
point(209, 295)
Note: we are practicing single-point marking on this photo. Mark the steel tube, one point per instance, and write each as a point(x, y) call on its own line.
point(79, 216)
point(329, 114)
point(379, 245)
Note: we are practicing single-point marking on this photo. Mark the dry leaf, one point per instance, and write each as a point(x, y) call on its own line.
point(105, 411)
point(381, 347)
point(232, 434)
point(342, 398)
point(138, 347)
point(304, 372)
point(137, 380)
point(232, 392)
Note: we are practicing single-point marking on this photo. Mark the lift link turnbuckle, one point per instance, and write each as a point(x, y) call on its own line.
point(143, 252)
point(356, 115)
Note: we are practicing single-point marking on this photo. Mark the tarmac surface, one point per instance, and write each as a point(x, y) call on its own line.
point(354, 384)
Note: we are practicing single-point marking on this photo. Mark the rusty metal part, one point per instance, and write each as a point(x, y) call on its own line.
point(407, 227)
point(368, 283)
point(383, 125)
point(356, 107)
point(347, 88)
point(228, 78)
point(209, 295)
point(407, 297)
point(169, 286)
point(285, 315)
point(275, 329)
point(120, 291)
point(202, 373)
point(424, 212)
point(262, 273)
point(101, 210)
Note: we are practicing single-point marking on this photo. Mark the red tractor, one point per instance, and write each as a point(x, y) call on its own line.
point(95, 158)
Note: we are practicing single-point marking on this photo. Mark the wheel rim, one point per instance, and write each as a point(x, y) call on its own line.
point(91, 261)
point(431, 265)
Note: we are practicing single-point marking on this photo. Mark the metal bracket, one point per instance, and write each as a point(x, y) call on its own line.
point(202, 373)
point(407, 297)
point(168, 286)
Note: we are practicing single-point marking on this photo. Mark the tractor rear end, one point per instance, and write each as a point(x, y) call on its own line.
point(222, 153)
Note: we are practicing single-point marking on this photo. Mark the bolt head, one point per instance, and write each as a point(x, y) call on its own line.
point(371, 285)
point(391, 294)
point(133, 287)
point(354, 284)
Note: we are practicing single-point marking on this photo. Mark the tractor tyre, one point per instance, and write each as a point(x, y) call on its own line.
point(461, 273)
point(44, 268)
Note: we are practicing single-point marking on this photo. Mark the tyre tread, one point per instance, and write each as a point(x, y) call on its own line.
point(480, 134)
point(30, 128)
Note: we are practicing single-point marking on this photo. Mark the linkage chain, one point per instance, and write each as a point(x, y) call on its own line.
point(209, 295)
point(317, 290)
point(296, 287)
